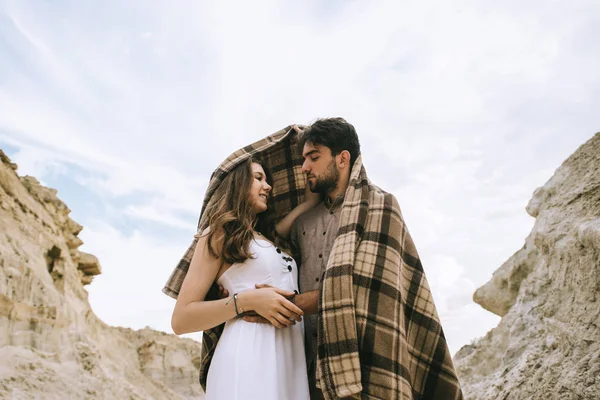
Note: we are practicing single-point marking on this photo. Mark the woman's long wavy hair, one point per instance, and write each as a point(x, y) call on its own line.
point(230, 218)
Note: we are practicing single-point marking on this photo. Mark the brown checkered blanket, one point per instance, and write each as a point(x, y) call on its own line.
point(379, 333)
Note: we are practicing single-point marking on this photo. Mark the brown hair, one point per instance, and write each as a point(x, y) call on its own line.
point(335, 133)
point(229, 214)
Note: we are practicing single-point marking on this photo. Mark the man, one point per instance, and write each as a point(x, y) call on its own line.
point(330, 148)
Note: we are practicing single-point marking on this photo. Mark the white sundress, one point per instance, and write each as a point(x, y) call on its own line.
point(256, 360)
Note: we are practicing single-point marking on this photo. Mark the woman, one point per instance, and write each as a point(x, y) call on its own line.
point(251, 360)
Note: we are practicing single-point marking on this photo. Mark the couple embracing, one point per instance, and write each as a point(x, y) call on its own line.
point(322, 293)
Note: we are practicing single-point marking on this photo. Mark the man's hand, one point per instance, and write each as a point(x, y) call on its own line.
point(264, 285)
point(217, 292)
point(297, 128)
point(251, 316)
point(223, 292)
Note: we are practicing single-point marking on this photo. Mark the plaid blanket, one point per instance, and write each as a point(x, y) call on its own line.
point(379, 333)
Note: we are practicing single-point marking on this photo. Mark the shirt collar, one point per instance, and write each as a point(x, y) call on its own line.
point(335, 204)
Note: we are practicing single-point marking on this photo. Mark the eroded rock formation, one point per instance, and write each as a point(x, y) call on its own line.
point(547, 345)
point(52, 345)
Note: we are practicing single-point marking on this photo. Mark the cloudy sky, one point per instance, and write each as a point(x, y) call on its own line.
point(463, 108)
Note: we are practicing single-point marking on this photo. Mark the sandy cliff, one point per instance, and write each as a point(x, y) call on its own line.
point(52, 346)
point(547, 345)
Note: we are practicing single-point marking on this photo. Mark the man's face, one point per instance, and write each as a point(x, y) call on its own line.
point(320, 168)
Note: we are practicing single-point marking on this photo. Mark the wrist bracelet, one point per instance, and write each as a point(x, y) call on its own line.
point(234, 298)
point(237, 311)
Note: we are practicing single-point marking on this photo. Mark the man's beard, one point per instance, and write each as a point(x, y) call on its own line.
point(326, 182)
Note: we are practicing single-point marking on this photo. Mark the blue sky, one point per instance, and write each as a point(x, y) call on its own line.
point(463, 109)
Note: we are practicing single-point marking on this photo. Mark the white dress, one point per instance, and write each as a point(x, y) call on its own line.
point(255, 360)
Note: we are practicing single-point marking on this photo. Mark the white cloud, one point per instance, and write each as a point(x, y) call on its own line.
point(452, 291)
point(463, 109)
point(153, 214)
point(37, 163)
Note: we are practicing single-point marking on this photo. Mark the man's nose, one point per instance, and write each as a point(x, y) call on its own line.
point(305, 167)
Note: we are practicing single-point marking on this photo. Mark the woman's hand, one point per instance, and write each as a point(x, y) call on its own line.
point(284, 226)
point(271, 303)
point(311, 199)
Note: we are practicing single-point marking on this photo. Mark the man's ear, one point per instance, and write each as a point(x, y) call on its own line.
point(344, 159)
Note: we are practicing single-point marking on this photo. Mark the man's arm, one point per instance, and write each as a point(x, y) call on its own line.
point(308, 302)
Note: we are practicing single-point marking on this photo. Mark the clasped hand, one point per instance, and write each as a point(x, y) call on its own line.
point(273, 306)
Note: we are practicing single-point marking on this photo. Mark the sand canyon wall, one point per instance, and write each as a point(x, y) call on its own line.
point(52, 345)
point(547, 344)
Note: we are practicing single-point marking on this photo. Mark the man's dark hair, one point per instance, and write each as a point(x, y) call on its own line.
point(335, 133)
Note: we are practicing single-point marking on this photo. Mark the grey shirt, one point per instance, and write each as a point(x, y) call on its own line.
point(313, 234)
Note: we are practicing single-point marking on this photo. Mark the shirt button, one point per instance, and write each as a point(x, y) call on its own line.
point(304, 233)
point(320, 255)
point(278, 250)
point(290, 268)
point(316, 279)
point(324, 233)
point(331, 212)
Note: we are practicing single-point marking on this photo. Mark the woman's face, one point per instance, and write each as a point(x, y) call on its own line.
point(259, 190)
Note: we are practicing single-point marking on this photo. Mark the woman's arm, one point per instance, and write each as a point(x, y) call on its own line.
point(192, 313)
point(284, 226)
